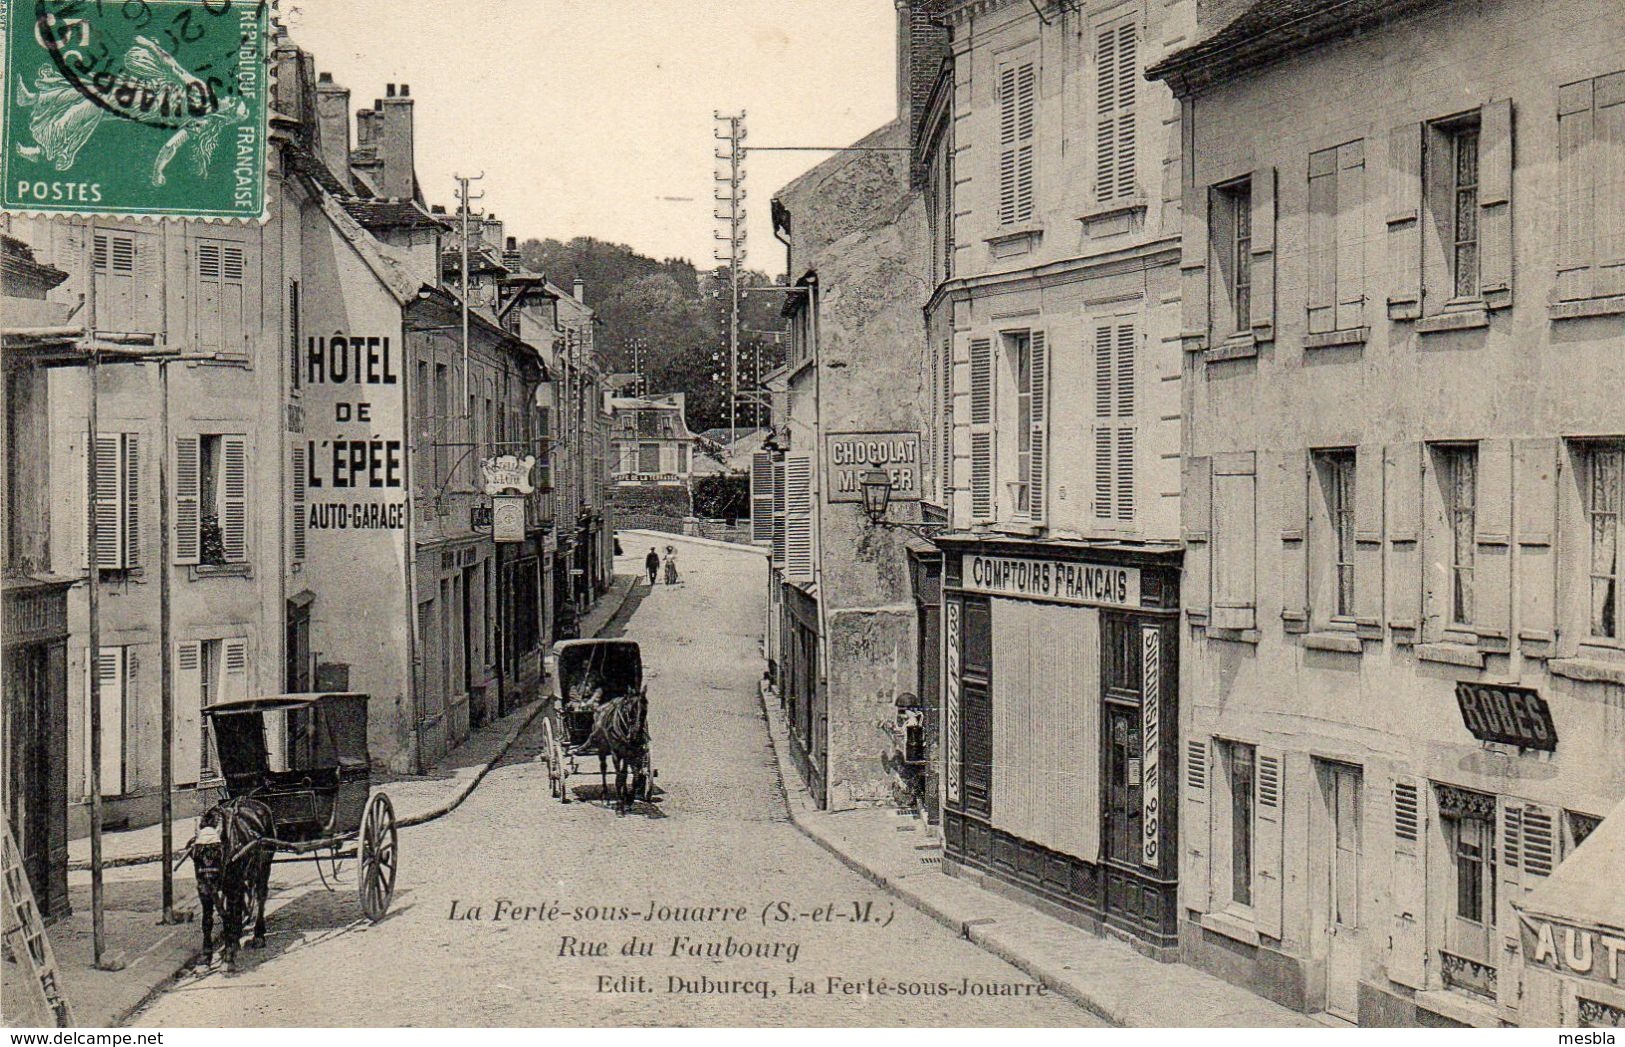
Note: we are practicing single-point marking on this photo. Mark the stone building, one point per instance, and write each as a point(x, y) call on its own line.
point(652, 461)
point(1052, 372)
point(1403, 673)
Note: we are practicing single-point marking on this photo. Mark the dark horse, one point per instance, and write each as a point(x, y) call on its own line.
point(232, 857)
point(620, 728)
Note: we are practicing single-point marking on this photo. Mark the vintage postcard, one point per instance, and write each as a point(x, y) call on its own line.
point(780, 513)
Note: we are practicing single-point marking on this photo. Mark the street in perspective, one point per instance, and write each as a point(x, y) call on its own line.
point(775, 513)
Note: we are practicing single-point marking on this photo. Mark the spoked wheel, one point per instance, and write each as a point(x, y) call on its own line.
point(560, 774)
point(548, 757)
point(377, 854)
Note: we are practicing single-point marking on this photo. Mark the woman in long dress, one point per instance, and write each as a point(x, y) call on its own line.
point(672, 577)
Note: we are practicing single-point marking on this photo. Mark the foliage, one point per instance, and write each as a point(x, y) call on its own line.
point(722, 496)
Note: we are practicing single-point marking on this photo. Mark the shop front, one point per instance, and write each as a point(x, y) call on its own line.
point(1060, 725)
point(802, 690)
point(36, 735)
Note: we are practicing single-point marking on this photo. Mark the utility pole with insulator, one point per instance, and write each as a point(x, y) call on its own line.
point(730, 190)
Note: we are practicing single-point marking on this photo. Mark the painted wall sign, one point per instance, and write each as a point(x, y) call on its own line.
point(1506, 713)
point(1582, 952)
point(1151, 727)
point(355, 468)
point(849, 455)
point(1056, 581)
point(950, 652)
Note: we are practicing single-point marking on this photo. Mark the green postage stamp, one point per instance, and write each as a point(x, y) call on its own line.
point(135, 107)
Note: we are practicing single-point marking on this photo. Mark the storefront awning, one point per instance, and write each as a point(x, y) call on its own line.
point(1584, 890)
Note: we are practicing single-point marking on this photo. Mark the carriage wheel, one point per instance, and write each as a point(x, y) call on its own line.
point(548, 758)
point(377, 854)
point(560, 775)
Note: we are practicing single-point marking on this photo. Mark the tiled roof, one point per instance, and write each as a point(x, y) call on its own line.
point(390, 214)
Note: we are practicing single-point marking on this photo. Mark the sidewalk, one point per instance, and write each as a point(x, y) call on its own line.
point(1102, 975)
point(153, 953)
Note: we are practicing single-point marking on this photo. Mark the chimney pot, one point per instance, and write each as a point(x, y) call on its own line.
point(437, 208)
point(406, 91)
point(578, 290)
point(389, 90)
point(324, 78)
point(377, 103)
point(513, 243)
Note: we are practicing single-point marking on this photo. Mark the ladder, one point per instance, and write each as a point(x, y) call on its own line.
point(25, 939)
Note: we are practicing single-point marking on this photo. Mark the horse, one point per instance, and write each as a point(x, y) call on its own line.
point(620, 727)
point(232, 858)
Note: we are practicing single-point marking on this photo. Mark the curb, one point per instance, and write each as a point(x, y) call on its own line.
point(973, 930)
point(661, 536)
point(417, 819)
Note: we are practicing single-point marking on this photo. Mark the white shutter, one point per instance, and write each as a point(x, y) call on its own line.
point(1407, 892)
point(130, 499)
point(234, 497)
point(761, 498)
point(188, 511)
point(779, 513)
point(234, 668)
point(106, 684)
point(946, 477)
point(1038, 448)
point(1017, 104)
point(108, 507)
point(298, 533)
point(798, 535)
point(189, 752)
point(1268, 786)
point(1105, 456)
point(1196, 827)
point(982, 431)
point(1116, 85)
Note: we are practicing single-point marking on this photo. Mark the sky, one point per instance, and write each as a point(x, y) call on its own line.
point(585, 116)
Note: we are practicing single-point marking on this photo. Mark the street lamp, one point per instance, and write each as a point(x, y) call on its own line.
point(877, 485)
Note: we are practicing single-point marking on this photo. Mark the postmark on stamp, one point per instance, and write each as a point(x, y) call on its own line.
point(135, 107)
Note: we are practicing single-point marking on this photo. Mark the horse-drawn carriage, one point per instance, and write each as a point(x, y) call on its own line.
point(319, 792)
point(598, 707)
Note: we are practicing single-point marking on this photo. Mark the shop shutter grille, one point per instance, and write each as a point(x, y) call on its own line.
point(1405, 811)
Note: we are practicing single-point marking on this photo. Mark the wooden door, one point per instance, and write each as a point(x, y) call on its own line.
point(1340, 791)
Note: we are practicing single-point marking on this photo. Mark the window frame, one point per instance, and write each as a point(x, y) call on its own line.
point(1230, 238)
point(1334, 598)
point(1441, 188)
point(1588, 453)
point(1240, 800)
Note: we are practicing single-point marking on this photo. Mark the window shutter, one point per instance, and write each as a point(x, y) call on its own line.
point(1368, 535)
point(1263, 265)
point(1193, 271)
point(798, 518)
point(1323, 245)
point(1126, 471)
point(945, 479)
point(1576, 163)
point(981, 417)
point(1293, 494)
point(1234, 545)
point(130, 496)
point(1017, 104)
point(105, 683)
point(206, 310)
point(1197, 509)
point(1115, 348)
point(1609, 202)
point(188, 512)
point(234, 668)
point(188, 737)
point(1268, 787)
point(1038, 392)
point(1196, 827)
point(1535, 469)
point(1350, 294)
point(779, 511)
point(1495, 203)
point(1105, 456)
point(234, 498)
point(108, 507)
point(297, 541)
point(1492, 576)
point(1116, 83)
point(1403, 491)
point(1407, 891)
point(1404, 222)
point(761, 498)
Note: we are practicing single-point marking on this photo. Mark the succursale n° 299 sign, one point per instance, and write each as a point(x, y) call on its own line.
point(135, 107)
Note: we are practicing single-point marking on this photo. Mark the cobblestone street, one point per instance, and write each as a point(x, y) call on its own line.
point(711, 861)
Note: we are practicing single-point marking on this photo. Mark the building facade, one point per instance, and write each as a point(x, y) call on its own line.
point(1402, 663)
point(651, 454)
point(1054, 378)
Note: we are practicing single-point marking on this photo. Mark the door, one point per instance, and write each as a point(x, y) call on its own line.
point(1340, 792)
point(1124, 774)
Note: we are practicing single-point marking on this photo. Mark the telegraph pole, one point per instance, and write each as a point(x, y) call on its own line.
point(464, 198)
point(730, 190)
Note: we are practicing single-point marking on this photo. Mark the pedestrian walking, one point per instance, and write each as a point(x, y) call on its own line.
point(672, 577)
point(651, 563)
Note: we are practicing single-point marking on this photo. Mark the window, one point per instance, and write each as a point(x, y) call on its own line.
point(1018, 355)
point(648, 459)
point(1116, 344)
point(1018, 85)
point(1117, 77)
point(219, 292)
point(211, 499)
point(1240, 760)
point(1458, 482)
point(441, 434)
point(1336, 471)
point(1469, 883)
point(1336, 238)
point(1472, 843)
point(1602, 480)
point(1464, 193)
point(1232, 235)
point(129, 292)
point(117, 505)
point(1591, 163)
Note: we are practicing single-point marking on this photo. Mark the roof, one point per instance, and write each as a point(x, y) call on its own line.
point(570, 645)
point(1584, 889)
point(1267, 30)
point(390, 213)
point(276, 702)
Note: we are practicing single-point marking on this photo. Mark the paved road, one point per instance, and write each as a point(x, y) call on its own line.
point(707, 861)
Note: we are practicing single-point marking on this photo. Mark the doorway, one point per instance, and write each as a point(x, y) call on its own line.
point(1340, 785)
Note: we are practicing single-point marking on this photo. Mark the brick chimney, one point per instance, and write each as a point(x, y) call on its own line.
point(510, 255)
point(491, 232)
point(398, 178)
point(333, 125)
point(921, 48)
point(578, 291)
